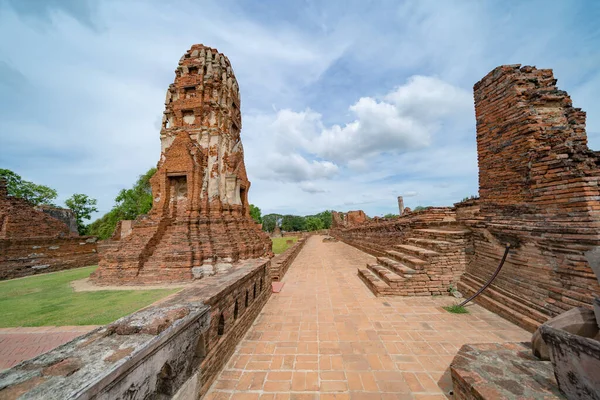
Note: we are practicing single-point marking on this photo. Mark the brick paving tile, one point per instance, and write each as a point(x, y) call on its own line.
point(23, 343)
point(326, 336)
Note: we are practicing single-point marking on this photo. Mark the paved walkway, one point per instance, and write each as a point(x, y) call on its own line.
point(326, 336)
point(19, 344)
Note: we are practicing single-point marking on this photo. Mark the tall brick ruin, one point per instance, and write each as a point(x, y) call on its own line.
point(200, 221)
point(538, 186)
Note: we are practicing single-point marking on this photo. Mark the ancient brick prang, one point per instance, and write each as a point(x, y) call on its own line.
point(200, 221)
point(33, 241)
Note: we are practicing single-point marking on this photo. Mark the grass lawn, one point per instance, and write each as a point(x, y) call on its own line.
point(48, 299)
point(279, 245)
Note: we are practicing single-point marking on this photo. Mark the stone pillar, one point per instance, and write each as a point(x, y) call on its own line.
point(400, 205)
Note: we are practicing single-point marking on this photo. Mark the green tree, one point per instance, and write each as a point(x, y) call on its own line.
point(255, 213)
point(390, 215)
point(269, 221)
point(83, 207)
point(33, 193)
point(313, 224)
point(129, 204)
point(292, 223)
point(325, 217)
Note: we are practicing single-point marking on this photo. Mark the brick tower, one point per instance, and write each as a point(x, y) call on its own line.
point(200, 221)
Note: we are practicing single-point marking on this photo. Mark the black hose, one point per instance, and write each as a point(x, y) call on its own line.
point(491, 279)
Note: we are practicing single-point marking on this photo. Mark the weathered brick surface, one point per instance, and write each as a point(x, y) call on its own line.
point(23, 257)
point(538, 191)
point(501, 371)
point(32, 241)
point(200, 221)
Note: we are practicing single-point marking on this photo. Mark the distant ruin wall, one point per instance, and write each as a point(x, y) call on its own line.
point(378, 235)
point(64, 215)
point(33, 241)
point(538, 191)
point(173, 349)
point(23, 257)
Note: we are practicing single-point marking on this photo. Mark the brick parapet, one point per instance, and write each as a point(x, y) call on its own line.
point(281, 262)
point(174, 348)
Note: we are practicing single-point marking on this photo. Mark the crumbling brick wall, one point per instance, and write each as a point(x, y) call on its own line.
point(32, 241)
point(538, 191)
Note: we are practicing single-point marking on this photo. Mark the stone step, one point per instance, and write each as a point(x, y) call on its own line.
point(410, 261)
point(432, 244)
point(374, 283)
point(396, 266)
point(504, 310)
point(417, 251)
point(505, 298)
point(440, 234)
point(389, 277)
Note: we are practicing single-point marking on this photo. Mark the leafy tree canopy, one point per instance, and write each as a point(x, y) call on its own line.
point(129, 204)
point(83, 207)
point(313, 224)
point(255, 213)
point(269, 222)
point(390, 215)
point(33, 193)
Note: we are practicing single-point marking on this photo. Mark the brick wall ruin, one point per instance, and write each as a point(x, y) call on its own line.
point(33, 241)
point(200, 221)
point(538, 191)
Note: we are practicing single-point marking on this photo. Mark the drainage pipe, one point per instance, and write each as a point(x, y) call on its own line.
point(491, 279)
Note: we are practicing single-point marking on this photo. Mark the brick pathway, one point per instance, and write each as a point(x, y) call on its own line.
point(326, 336)
point(19, 344)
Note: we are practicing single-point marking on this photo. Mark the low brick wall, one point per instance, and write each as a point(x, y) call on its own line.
point(172, 349)
point(30, 256)
point(281, 262)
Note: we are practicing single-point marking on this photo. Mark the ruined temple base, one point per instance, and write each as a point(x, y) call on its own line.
point(502, 371)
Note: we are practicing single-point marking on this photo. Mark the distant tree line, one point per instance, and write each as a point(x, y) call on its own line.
point(296, 223)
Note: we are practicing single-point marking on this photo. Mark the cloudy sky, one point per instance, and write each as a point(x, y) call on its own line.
point(345, 104)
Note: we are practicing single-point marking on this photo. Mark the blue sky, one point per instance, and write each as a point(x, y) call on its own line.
point(345, 104)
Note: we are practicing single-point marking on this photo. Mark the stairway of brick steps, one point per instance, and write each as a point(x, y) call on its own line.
point(503, 303)
point(424, 264)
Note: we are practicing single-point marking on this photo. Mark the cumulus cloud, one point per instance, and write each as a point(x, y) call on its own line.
point(405, 119)
point(310, 187)
point(295, 168)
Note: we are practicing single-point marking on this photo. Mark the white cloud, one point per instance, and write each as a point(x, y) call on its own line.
point(406, 119)
point(410, 194)
point(295, 168)
point(310, 187)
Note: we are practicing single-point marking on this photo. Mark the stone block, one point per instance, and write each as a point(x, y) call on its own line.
point(578, 321)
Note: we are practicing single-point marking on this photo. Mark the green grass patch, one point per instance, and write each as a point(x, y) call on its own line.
point(48, 299)
point(456, 309)
point(279, 244)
